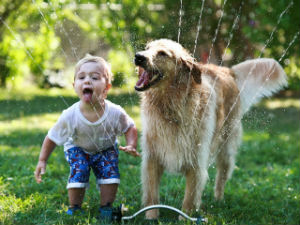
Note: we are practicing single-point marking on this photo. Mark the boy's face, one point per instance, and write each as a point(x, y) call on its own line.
point(90, 83)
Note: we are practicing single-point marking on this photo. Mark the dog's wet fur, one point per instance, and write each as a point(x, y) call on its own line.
point(191, 116)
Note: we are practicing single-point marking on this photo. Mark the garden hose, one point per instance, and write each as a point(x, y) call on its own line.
point(198, 220)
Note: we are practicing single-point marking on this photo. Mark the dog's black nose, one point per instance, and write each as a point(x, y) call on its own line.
point(139, 59)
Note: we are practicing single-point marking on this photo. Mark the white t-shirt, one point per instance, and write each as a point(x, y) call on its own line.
point(73, 129)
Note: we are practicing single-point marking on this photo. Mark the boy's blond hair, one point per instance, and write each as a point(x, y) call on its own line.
point(90, 58)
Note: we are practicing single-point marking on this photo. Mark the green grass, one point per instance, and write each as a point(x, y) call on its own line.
point(264, 188)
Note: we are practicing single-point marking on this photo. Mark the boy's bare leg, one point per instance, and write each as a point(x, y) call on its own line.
point(76, 196)
point(108, 193)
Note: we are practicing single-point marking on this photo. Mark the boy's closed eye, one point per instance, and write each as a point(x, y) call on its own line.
point(95, 77)
point(80, 76)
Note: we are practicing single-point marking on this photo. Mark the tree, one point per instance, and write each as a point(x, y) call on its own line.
point(28, 39)
point(6, 9)
point(227, 32)
point(220, 31)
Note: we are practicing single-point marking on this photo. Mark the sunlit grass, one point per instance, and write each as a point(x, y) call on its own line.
point(40, 122)
point(264, 188)
point(29, 92)
point(261, 136)
point(282, 103)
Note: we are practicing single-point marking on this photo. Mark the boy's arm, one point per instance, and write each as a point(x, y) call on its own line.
point(131, 142)
point(47, 148)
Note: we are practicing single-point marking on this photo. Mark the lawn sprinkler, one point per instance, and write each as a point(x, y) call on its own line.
point(116, 214)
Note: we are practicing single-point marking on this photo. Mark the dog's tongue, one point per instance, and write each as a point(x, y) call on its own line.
point(144, 78)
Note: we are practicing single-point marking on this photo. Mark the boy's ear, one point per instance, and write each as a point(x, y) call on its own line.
point(108, 86)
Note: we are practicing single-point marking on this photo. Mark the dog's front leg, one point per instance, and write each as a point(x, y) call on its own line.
point(151, 174)
point(195, 181)
point(190, 192)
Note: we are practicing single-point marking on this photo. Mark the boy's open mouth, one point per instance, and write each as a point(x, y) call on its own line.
point(87, 94)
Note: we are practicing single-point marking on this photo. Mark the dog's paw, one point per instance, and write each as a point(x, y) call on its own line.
point(152, 214)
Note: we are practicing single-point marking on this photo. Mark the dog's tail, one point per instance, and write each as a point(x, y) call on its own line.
point(258, 78)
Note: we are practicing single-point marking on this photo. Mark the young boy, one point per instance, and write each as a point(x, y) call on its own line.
point(88, 131)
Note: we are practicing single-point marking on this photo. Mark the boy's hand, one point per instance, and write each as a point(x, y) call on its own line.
point(40, 170)
point(130, 150)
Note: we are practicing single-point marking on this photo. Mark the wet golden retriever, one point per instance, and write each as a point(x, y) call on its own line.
point(191, 116)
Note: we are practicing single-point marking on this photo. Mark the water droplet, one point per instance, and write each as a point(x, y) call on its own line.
point(286, 61)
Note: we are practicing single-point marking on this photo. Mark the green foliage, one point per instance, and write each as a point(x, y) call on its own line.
point(264, 188)
point(12, 55)
point(28, 42)
point(121, 67)
point(41, 57)
point(293, 71)
point(32, 33)
point(277, 31)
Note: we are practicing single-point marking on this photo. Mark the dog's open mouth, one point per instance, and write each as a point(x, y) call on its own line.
point(146, 78)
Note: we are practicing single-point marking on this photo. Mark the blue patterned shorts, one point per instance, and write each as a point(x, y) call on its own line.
point(104, 165)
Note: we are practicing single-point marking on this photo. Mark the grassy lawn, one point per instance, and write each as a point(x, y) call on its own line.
point(264, 188)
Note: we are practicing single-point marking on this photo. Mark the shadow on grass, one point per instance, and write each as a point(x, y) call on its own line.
point(273, 134)
point(24, 138)
point(12, 109)
point(273, 120)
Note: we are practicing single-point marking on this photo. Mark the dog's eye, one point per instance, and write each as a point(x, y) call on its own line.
point(162, 53)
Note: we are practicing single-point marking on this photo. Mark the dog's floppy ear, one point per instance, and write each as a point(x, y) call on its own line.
point(196, 73)
point(193, 69)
